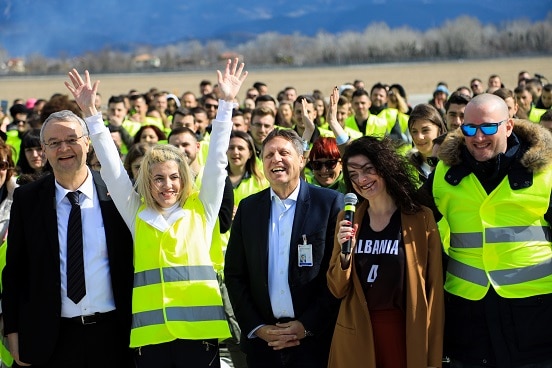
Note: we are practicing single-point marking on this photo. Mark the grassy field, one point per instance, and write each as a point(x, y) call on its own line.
point(419, 79)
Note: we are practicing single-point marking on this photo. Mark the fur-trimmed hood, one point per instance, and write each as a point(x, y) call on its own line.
point(537, 139)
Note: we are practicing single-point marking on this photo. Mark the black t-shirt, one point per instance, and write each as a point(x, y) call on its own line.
point(380, 264)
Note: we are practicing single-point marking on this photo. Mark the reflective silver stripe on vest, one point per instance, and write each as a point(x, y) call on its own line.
point(521, 275)
point(172, 274)
point(466, 240)
point(512, 234)
point(178, 314)
point(468, 273)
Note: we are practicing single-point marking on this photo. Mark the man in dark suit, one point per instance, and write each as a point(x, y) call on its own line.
point(46, 327)
point(276, 262)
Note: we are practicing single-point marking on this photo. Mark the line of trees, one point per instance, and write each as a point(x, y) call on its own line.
point(464, 37)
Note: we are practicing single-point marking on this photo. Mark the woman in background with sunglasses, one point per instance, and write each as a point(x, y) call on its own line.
point(324, 168)
point(425, 124)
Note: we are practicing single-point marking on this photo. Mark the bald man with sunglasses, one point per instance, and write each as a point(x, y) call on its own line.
point(493, 187)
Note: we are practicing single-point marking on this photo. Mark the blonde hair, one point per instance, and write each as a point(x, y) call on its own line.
point(159, 154)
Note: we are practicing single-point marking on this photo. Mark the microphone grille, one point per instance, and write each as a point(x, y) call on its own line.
point(350, 199)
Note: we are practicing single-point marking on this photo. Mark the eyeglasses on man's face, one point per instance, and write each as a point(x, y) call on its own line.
point(329, 164)
point(57, 144)
point(470, 130)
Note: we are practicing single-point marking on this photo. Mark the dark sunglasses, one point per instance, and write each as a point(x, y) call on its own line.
point(470, 130)
point(4, 165)
point(330, 164)
point(432, 161)
point(210, 106)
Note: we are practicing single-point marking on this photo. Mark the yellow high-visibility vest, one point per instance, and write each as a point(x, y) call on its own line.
point(499, 239)
point(176, 294)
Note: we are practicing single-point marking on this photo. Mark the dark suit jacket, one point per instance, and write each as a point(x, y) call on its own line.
point(246, 265)
point(31, 300)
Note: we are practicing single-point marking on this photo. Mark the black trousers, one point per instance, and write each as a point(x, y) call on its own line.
point(102, 344)
point(179, 354)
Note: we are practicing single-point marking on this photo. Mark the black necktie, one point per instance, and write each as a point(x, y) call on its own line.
point(76, 288)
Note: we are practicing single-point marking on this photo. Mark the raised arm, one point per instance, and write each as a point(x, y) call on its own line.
point(337, 129)
point(113, 172)
point(212, 184)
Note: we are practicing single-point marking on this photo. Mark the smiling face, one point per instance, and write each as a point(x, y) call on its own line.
point(285, 112)
point(282, 166)
point(187, 144)
point(423, 132)
point(361, 105)
point(365, 178)
point(67, 159)
point(493, 110)
point(325, 175)
point(238, 153)
point(149, 136)
point(378, 96)
point(165, 183)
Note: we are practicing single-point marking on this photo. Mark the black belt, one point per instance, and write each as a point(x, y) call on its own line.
point(285, 319)
point(90, 319)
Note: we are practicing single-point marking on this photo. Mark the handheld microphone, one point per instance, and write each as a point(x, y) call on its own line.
point(350, 203)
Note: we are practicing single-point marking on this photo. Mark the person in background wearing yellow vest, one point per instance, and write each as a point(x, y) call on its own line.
point(397, 121)
point(508, 96)
point(546, 120)
point(324, 165)
point(526, 107)
point(301, 108)
point(493, 186)
point(362, 120)
point(177, 311)
point(425, 124)
point(262, 123)
point(117, 116)
point(150, 134)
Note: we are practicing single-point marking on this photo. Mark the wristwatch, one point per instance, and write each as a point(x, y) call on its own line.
point(308, 333)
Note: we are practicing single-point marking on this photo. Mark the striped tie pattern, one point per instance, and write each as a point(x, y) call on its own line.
point(76, 288)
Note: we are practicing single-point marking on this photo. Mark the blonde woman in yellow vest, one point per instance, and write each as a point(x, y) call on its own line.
point(177, 310)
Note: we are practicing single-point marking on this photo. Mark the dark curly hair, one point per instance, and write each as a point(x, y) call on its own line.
point(395, 169)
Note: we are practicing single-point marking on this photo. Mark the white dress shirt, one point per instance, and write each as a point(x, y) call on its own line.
point(99, 294)
point(282, 213)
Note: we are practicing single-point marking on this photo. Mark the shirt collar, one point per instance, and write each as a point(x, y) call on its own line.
point(86, 188)
point(292, 197)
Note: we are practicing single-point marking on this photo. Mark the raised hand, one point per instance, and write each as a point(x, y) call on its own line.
point(332, 108)
point(231, 82)
point(83, 91)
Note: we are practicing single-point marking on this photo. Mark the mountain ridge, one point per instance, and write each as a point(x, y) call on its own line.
point(71, 28)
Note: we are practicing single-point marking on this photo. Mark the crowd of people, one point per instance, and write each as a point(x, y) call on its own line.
point(150, 232)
